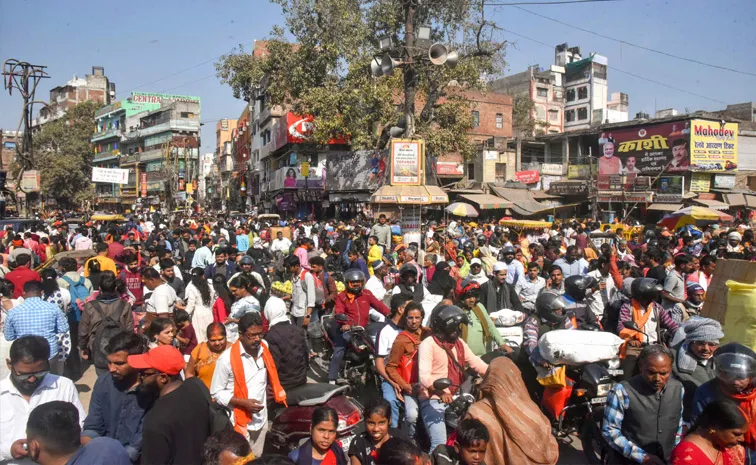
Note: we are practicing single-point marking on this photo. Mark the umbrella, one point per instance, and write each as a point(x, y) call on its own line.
point(462, 209)
point(693, 215)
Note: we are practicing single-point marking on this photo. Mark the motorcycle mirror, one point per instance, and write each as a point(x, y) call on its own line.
point(631, 325)
point(341, 317)
point(442, 384)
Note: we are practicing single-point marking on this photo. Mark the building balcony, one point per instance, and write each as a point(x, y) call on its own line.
point(189, 125)
point(102, 135)
point(155, 154)
point(270, 112)
point(130, 159)
point(106, 156)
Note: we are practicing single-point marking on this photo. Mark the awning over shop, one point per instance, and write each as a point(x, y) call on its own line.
point(522, 201)
point(735, 200)
point(665, 207)
point(410, 195)
point(750, 201)
point(341, 196)
point(487, 201)
point(713, 204)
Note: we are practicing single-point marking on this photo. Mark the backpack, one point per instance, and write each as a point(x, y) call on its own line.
point(79, 293)
point(107, 329)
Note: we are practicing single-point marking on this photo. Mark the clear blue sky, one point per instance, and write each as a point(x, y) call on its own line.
point(139, 42)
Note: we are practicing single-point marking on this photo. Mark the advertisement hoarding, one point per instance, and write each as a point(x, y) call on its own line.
point(143, 183)
point(700, 182)
point(406, 162)
point(110, 175)
point(30, 181)
point(644, 150)
point(527, 177)
point(724, 182)
point(568, 188)
point(450, 168)
point(714, 146)
point(294, 129)
point(578, 171)
point(293, 177)
point(554, 169)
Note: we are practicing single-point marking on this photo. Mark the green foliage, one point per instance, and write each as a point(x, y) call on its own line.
point(63, 155)
point(523, 121)
point(320, 65)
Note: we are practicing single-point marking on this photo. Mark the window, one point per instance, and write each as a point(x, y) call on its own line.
point(582, 113)
point(570, 95)
point(187, 114)
point(471, 171)
point(553, 115)
point(542, 92)
point(582, 92)
point(569, 116)
point(476, 119)
point(540, 113)
point(499, 121)
point(501, 172)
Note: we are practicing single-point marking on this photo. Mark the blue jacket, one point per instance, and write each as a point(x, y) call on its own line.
point(117, 414)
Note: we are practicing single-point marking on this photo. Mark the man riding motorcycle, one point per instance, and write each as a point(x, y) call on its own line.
point(576, 290)
point(443, 355)
point(355, 302)
point(480, 332)
point(551, 313)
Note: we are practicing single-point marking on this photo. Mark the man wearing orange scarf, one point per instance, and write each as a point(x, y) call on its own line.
point(736, 380)
point(240, 380)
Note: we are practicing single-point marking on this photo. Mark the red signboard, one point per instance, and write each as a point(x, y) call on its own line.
point(528, 177)
point(450, 168)
point(143, 183)
point(644, 149)
point(293, 129)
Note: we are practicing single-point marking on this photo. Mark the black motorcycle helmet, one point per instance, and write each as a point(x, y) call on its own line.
point(735, 361)
point(446, 319)
point(576, 286)
point(645, 289)
point(550, 307)
point(354, 281)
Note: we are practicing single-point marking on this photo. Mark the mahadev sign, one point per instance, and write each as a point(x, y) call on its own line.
point(406, 162)
point(714, 146)
point(110, 175)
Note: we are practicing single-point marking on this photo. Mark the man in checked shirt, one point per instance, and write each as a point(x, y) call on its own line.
point(643, 416)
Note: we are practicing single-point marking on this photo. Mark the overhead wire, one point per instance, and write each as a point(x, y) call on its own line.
point(624, 72)
point(558, 2)
point(631, 44)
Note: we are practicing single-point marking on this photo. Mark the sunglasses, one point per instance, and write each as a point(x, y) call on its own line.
point(144, 375)
point(26, 376)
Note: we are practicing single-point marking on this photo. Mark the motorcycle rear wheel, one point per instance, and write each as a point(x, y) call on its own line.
point(592, 441)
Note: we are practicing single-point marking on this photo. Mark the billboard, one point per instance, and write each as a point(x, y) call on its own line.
point(700, 182)
point(644, 150)
point(356, 171)
point(406, 162)
point(148, 97)
point(450, 168)
point(293, 177)
point(30, 181)
point(528, 177)
point(294, 129)
point(714, 146)
point(110, 175)
point(578, 171)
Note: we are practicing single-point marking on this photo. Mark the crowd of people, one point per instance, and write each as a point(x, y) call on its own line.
point(189, 319)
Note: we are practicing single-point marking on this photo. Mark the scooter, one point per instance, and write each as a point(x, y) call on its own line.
point(291, 425)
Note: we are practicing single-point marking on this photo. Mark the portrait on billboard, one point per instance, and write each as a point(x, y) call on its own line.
point(680, 155)
point(608, 163)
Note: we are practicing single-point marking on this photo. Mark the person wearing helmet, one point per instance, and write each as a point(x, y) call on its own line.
point(578, 291)
point(550, 314)
point(408, 283)
point(355, 302)
point(444, 355)
point(643, 416)
point(735, 370)
point(649, 316)
point(530, 286)
point(693, 360)
point(480, 332)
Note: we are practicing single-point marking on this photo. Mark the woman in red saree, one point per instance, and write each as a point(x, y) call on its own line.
point(715, 437)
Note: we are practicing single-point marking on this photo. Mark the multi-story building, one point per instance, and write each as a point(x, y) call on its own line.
point(155, 137)
point(92, 87)
point(9, 141)
point(617, 108)
point(544, 87)
point(224, 139)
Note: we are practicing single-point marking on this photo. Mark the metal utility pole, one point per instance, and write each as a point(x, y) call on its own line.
point(410, 82)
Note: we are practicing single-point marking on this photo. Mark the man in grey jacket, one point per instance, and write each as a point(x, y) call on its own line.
point(382, 231)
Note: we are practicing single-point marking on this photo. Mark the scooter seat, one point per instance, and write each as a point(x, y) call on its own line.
point(311, 394)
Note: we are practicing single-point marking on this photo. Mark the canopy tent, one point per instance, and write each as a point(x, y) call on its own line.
point(487, 201)
point(462, 209)
point(522, 201)
point(524, 223)
point(665, 207)
point(410, 195)
point(693, 215)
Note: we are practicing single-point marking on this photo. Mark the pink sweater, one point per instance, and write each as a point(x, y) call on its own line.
point(433, 363)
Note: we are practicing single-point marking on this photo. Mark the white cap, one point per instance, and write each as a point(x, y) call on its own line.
point(476, 261)
point(499, 266)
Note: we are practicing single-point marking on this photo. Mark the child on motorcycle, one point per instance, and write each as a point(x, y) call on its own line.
point(469, 447)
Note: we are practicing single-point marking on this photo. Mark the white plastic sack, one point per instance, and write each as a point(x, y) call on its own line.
point(507, 317)
point(576, 347)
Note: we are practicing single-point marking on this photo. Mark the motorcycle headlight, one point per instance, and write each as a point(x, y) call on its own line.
point(602, 390)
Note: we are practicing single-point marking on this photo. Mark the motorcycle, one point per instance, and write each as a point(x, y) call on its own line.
point(358, 366)
point(579, 406)
point(291, 425)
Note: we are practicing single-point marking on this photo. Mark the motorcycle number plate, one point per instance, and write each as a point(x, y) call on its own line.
point(346, 441)
point(598, 400)
point(616, 372)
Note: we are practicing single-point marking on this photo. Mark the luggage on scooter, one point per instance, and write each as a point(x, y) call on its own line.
point(576, 347)
point(511, 333)
point(507, 317)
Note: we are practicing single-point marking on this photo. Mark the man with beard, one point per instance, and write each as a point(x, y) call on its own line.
point(643, 416)
point(117, 407)
point(168, 272)
point(571, 264)
point(693, 365)
point(178, 423)
point(251, 361)
point(515, 270)
point(497, 293)
point(28, 385)
point(222, 265)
